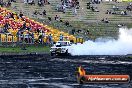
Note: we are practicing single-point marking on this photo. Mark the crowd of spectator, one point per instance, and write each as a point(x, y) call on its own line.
point(6, 3)
point(62, 6)
point(93, 8)
point(39, 2)
point(25, 32)
point(43, 13)
point(68, 4)
point(129, 7)
point(117, 11)
point(105, 20)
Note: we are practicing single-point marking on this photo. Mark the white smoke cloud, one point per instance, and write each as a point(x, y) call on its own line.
point(122, 46)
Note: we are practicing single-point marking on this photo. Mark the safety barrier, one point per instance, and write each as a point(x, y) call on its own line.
point(6, 38)
point(79, 40)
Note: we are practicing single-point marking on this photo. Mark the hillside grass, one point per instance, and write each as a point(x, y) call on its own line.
point(29, 49)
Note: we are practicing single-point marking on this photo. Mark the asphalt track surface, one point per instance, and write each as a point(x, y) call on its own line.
point(43, 71)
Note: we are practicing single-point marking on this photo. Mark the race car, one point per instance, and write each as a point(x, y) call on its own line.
point(61, 47)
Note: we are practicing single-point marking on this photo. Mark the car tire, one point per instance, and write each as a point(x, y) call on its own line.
point(66, 52)
point(52, 54)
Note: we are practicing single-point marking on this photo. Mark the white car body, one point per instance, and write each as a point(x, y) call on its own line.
point(61, 47)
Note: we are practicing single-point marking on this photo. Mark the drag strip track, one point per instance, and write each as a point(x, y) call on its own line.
point(44, 71)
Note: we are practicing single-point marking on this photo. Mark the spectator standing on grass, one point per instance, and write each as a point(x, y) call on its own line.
point(40, 3)
point(13, 0)
point(44, 13)
point(130, 3)
point(106, 20)
point(123, 13)
point(26, 1)
point(1, 30)
point(88, 5)
point(74, 10)
point(67, 23)
point(61, 37)
point(50, 39)
point(73, 31)
point(64, 8)
point(8, 4)
point(35, 12)
point(56, 18)
point(32, 35)
point(47, 40)
point(31, 2)
point(43, 34)
point(45, 1)
point(40, 37)
point(92, 8)
point(1, 3)
point(49, 18)
point(21, 14)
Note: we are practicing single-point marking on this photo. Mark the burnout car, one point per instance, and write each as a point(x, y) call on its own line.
point(61, 47)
